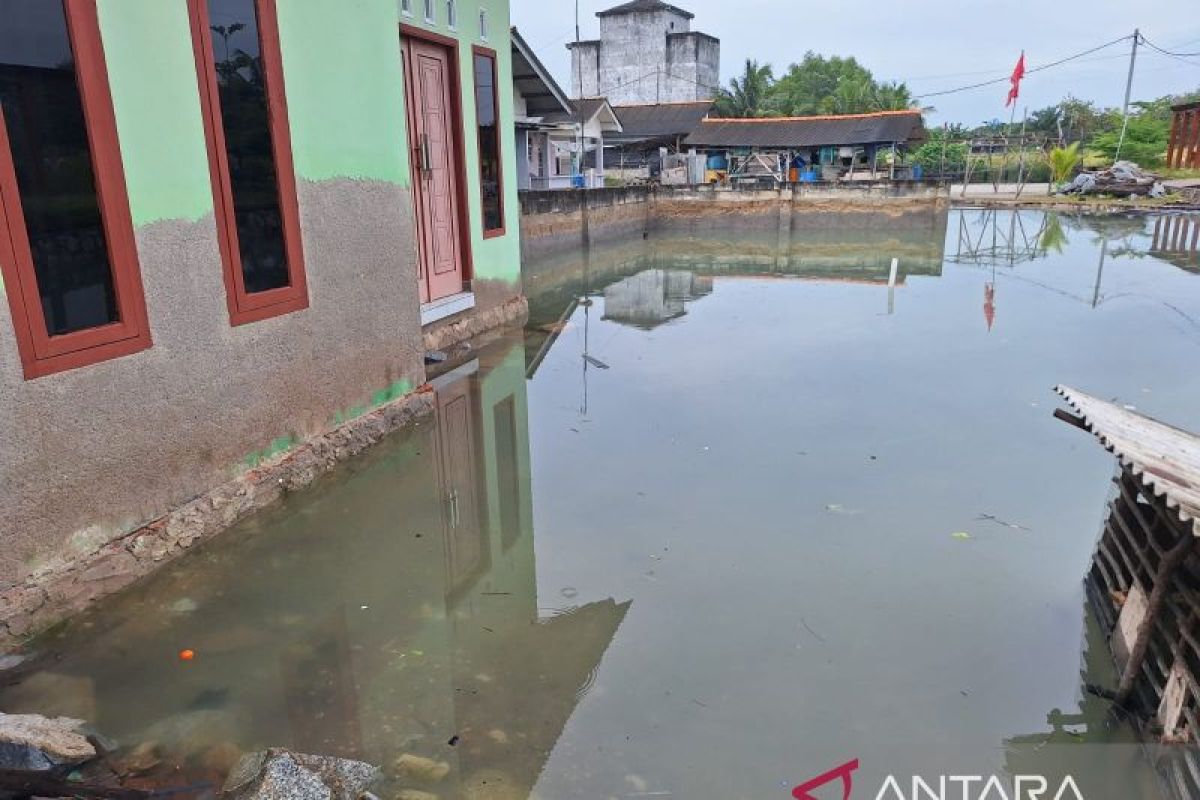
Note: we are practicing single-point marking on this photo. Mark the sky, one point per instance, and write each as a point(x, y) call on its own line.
point(929, 44)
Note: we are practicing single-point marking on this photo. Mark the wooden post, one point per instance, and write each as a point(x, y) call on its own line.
point(1173, 138)
point(1170, 562)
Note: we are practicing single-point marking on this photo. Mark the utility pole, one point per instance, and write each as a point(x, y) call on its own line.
point(1137, 35)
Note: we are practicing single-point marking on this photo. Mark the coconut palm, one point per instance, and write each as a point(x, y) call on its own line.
point(748, 95)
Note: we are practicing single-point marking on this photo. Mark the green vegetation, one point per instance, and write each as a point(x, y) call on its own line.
point(1063, 161)
point(817, 85)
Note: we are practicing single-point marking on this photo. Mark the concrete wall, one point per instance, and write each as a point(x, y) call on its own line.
point(89, 455)
point(645, 57)
point(554, 222)
point(558, 221)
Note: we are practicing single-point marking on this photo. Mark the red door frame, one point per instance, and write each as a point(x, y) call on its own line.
point(462, 207)
point(244, 306)
point(42, 354)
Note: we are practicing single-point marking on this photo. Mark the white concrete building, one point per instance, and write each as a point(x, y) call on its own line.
point(646, 53)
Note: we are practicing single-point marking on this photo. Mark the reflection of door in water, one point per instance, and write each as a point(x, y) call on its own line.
point(466, 550)
point(432, 147)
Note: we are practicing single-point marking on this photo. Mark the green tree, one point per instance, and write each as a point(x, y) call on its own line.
point(749, 95)
point(835, 85)
point(1145, 140)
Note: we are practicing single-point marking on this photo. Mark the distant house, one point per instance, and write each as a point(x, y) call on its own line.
point(647, 127)
point(825, 147)
point(536, 98)
point(593, 119)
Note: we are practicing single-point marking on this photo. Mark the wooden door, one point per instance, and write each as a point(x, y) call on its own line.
point(466, 548)
point(433, 148)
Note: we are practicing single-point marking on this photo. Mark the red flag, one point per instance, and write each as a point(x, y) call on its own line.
point(1015, 80)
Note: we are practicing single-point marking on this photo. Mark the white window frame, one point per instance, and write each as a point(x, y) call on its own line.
point(406, 7)
point(430, 11)
point(483, 24)
point(452, 14)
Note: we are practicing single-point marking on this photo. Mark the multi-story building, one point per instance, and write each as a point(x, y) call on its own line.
point(646, 53)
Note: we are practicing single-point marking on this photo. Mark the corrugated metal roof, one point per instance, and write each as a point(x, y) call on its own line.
point(584, 109)
point(644, 121)
point(643, 5)
point(1166, 459)
point(783, 132)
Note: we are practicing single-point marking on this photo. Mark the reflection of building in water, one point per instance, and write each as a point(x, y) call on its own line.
point(1177, 240)
point(1064, 750)
point(380, 618)
point(1144, 581)
point(650, 298)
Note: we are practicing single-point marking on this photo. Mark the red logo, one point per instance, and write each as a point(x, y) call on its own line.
point(801, 792)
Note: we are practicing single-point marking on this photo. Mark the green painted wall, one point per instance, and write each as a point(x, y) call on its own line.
point(345, 96)
point(156, 97)
point(345, 89)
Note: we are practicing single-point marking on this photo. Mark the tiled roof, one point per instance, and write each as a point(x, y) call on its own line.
point(850, 129)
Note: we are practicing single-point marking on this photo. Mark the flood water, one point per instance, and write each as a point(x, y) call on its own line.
point(728, 514)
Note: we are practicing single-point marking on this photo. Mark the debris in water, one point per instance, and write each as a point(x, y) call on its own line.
point(498, 736)
point(1002, 522)
point(569, 592)
point(818, 636)
point(187, 655)
point(453, 741)
point(963, 535)
point(838, 508)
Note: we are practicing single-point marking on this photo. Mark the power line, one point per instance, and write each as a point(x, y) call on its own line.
point(1166, 52)
point(1028, 71)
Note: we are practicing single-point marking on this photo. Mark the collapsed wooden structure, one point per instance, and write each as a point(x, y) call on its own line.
point(1144, 581)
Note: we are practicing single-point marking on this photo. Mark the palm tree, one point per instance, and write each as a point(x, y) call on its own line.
point(749, 95)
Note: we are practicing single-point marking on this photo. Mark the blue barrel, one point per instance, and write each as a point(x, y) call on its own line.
point(809, 176)
point(918, 172)
point(577, 182)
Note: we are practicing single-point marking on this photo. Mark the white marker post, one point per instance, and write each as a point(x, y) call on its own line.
point(892, 276)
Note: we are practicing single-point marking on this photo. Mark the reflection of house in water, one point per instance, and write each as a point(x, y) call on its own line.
point(650, 298)
point(1177, 240)
point(377, 619)
point(1144, 581)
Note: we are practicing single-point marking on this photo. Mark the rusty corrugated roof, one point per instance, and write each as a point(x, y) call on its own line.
point(1166, 459)
point(883, 127)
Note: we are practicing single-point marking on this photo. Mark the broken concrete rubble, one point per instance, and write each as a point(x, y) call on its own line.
point(37, 743)
point(276, 774)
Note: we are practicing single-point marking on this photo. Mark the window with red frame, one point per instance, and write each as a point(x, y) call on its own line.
point(240, 71)
point(67, 252)
point(487, 121)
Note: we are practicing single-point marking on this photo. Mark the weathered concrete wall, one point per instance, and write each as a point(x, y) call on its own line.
point(646, 57)
point(559, 221)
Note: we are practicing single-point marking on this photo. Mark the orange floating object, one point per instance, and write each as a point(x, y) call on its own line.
point(187, 655)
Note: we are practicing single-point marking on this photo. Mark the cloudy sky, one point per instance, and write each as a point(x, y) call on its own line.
point(930, 44)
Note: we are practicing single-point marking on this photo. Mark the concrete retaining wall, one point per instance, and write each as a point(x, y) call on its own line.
point(554, 222)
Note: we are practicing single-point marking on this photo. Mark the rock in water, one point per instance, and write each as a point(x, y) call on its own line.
point(420, 768)
point(32, 742)
point(277, 774)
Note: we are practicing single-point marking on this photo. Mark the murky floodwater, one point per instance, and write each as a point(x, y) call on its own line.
point(697, 533)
